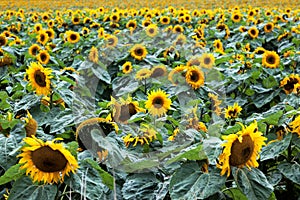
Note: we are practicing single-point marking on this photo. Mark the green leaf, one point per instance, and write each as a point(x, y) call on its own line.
point(290, 171)
point(194, 152)
point(233, 129)
point(235, 194)
point(273, 118)
point(273, 149)
point(252, 183)
point(24, 189)
point(3, 103)
point(102, 74)
point(140, 186)
point(140, 165)
point(13, 173)
point(188, 182)
point(64, 78)
point(269, 82)
point(107, 179)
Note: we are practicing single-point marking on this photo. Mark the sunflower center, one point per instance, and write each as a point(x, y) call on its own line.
point(40, 78)
point(151, 30)
point(236, 17)
point(158, 102)
point(289, 86)
point(194, 76)
point(139, 51)
point(2, 41)
point(270, 59)
point(241, 152)
point(73, 37)
point(165, 20)
point(43, 57)
point(253, 32)
point(111, 41)
point(269, 27)
point(48, 160)
point(43, 37)
point(157, 73)
point(127, 67)
point(207, 61)
point(132, 25)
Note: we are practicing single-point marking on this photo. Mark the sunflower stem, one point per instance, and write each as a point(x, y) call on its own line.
point(51, 100)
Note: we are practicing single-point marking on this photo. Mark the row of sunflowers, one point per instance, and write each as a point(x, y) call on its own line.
point(150, 103)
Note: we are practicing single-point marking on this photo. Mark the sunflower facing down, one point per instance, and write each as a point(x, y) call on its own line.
point(46, 161)
point(143, 74)
point(158, 103)
point(241, 149)
point(93, 55)
point(270, 59)
point(194, 77)
point(39, 78)
point(138, 52)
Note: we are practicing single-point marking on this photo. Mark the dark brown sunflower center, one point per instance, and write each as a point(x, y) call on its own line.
point(43, 57)
point(268, 26)
point(151, 30)
point(232, 113)
point(48, 160)
point(76, 19)
point(127, 67)
point(289, 86)
point(127, 111)
point(2, 41)
point(132, 25)
point(157, 73)
point(158, 102)
point(165, 20)
point(218, 45)
point(43, 37)
point(253, 32)
point(194, 76)
point(241, 152)
point(139, 51)
point(114, 18)
point(38, 28)
point(236, 17)
point(73, 37)
point(111, 41)
point(207, 61)
point(271, 59)
point(40, 78)
point(146, 24)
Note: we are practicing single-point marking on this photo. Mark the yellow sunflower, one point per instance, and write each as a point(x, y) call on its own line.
point(207, 60)
point(34, 49)
point(111, 40)
point(194, 77)
point(241, 149)
point(165, 20)
point(152, 30)
point(93, 55)
point(42, 37)
point(131, 24)
point(143, 74)
point(269, 27)
point(43, 57)
point(158, 71)
point(289, 83)
point(31, 125)
point(270, 59)
point(218, 46)
point(232, 112)
point(3, 40)
point(123, 109)
point(253, 32)
point(178, 29)
point(46, 161)
point(127, 67)
point(295, 125)
point(138, 51)
point(236, 17)
point(158, 103)
point(72, 36)
point(39, 78)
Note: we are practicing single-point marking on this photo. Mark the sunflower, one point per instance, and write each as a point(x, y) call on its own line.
point(158, 71)
point(269, 27)
point(3, 40)
point(270, 59)
point(31, 125)
point(115, 17)
point(146, 135)
point(158, 103)
point(253, 32)
point(207, 60)
point(46, 161)
point(241, 149)
point(152, 30)
point(289, 83)
point(75, 20)
point(178, 29)
point(218, 46)
point(34, 49)
point(176, 75)
point(194, 77)
point(138, 51)
point(236, 17)
point(50, 33)
point(127, 67)
point(123, 109)
point(42, 37)
point(131, 24)
point(215, 103)
point(39, 78)
point(295, 125)
point(72, 36)
point(180, 40)
point(93, 55)
point(111, 40)
point(165, 20)
point(232, 112)
point(143, 74)
point(43, 57)
point(37, 27)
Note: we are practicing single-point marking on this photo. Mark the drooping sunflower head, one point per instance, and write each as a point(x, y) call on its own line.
point(43, 57)
point(194, 61)
point(195, 77)
point(158, 71)
point(177, 75)
point(289, 83)
point(158, 103)
point(34, 49)
point(207, 60)
point(31, 125)
point(145, 136)
point(39, 78)
point(232, 112)
point(138, 51)
point(180, 40)
point(271, 59)
point(127, 67)
point(93, 55)
point(46, 161)
point(253, 32)
point(241, 149)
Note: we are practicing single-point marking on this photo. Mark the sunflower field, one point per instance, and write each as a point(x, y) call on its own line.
point(152, 100)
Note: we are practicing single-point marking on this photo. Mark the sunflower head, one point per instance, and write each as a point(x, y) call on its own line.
point(194, 77)
point(241, 149)
point(158, 103)
point(290, 83)
point(72, 36)
point(158, 71)
point(142, 74)
point(269, 27)
point(152, 30)
point(31, 125)
point(46, 161)
point(207, 60)
point(270, 59)
point(34, 49)
point(138, 51)
point(93, 55)
point(42, 37)
point(127, 67)
point(39, 78)
point(295, 125)
point(3, 40)
point(232, 112)
point(43, 57)
point(253, 32)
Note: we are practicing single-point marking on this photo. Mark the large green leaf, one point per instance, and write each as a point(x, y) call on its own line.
point(13, 173)
point(290, 171)
point(140, 186)
point(252, 183)
point(188, 182)
point(273, 149)
point(235, 194)
point(24, 189)
point(3, 103)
